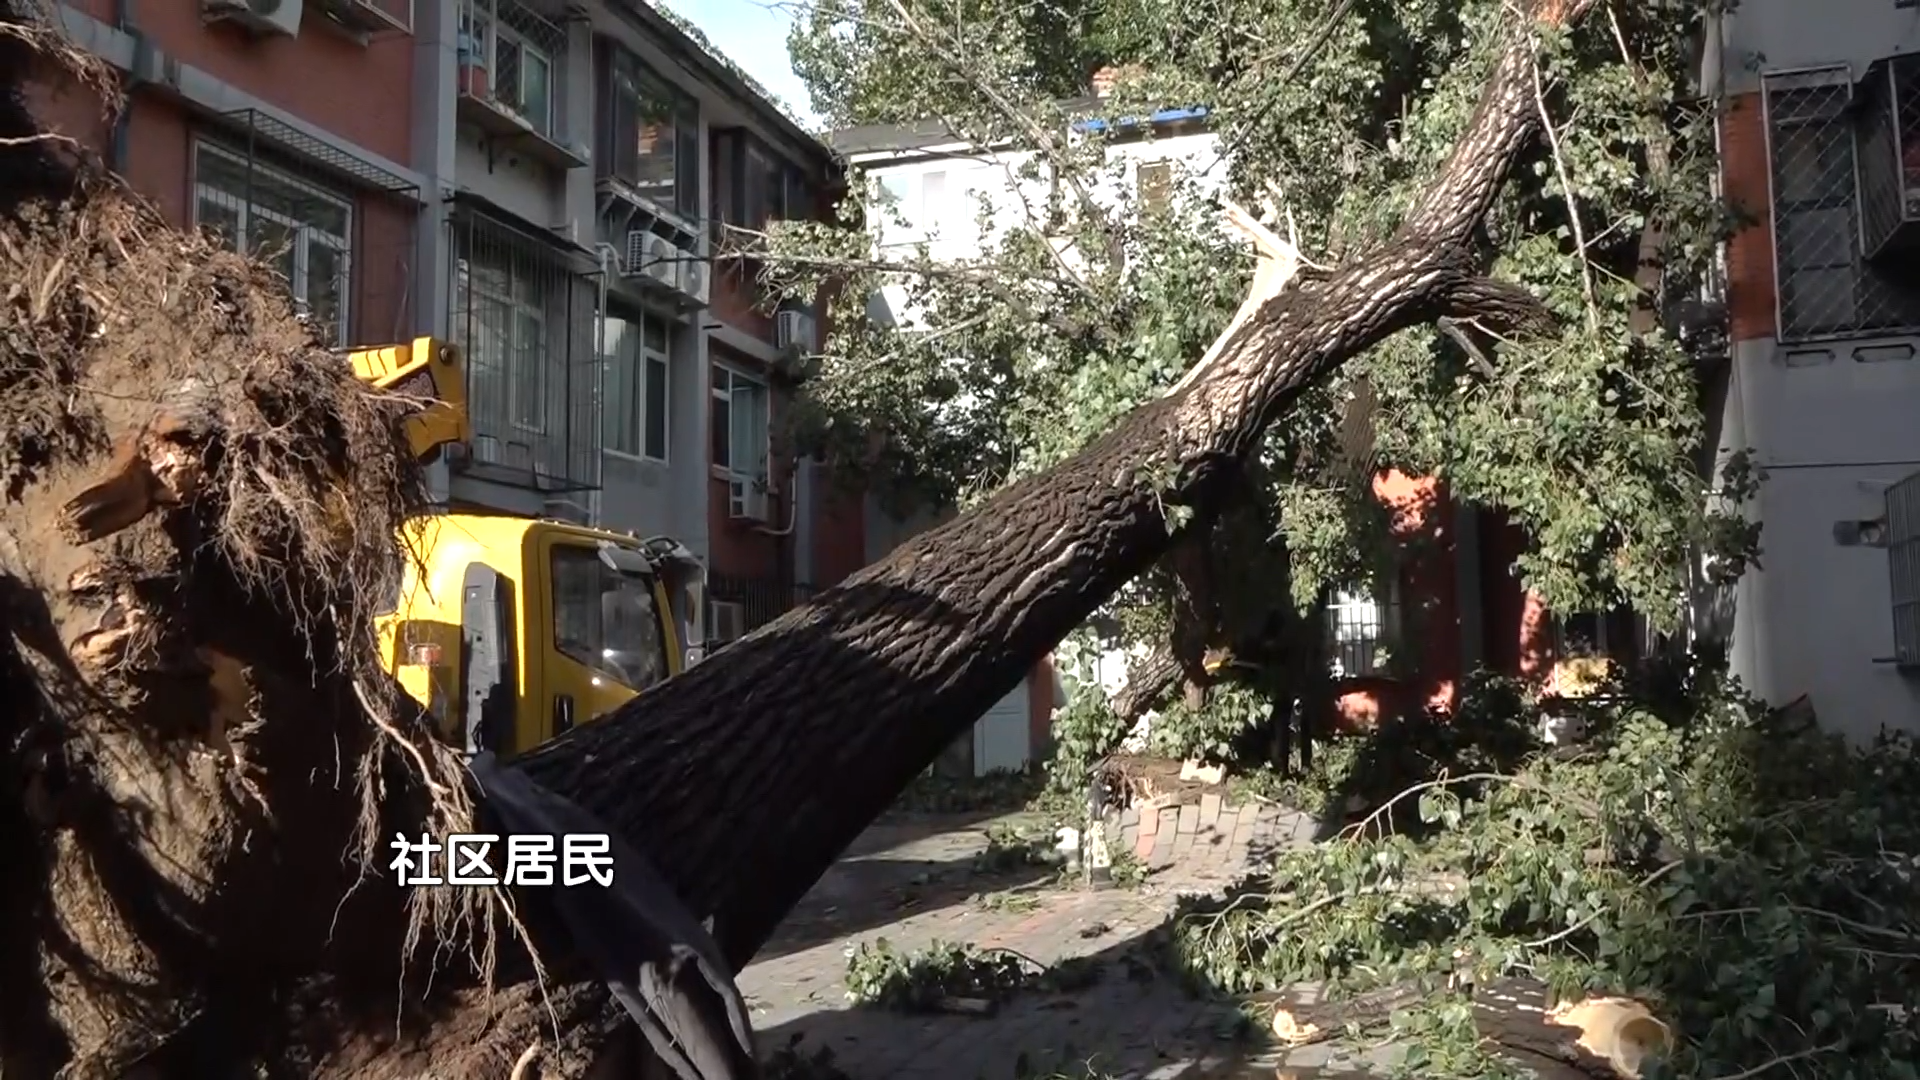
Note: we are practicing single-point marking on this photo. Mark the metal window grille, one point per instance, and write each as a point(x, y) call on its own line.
point(339, 230)
point(514, 58)
point(762, 599)
point(1903, 568)
point(526, 322)
point(1826, 288)
point(1889, 155)
point(1360, 628)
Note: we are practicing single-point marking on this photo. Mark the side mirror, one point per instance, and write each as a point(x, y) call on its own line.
point(695, 654)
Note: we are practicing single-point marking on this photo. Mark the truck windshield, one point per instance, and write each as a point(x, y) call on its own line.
point(606, 619)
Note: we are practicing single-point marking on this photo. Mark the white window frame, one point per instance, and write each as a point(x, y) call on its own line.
point(894, 193)
point(731, 470)
point(514, 308)
point(508, 36)
point(646, 357)
point(305, 235)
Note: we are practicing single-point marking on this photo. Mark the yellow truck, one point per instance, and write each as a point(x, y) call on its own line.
point(511, 630)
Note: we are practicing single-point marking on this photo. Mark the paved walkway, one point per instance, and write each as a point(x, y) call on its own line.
point(910, 881)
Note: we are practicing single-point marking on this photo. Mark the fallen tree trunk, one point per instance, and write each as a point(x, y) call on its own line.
point(870, 680)
point(718, 773)
point(155, 927)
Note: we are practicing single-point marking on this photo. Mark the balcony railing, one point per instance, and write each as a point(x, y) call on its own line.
point(763, 599)
point(526, 321)
point(512, 81)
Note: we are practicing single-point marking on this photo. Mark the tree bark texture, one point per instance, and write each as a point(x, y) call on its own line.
point(1148, 681)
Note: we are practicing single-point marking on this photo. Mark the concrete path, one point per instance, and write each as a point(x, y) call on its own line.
point(910, 880)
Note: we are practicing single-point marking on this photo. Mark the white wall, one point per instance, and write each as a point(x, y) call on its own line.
point(946, 215)
point(1832, 432)
point(1780, 35)
point(1832, 424)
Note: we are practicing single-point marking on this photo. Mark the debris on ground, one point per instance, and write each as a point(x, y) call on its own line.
point(1704, 881)
point(955, 978)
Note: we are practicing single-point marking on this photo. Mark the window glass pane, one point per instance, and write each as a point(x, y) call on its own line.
point(1581, 635)
point(933, 194)
point(606, 620)
point(1817, 238)
point(536, 92)
point(775, 188)
point(1818, 301)
point(1155, 180)
point(266, 188)
point(754, 182)
point(485, 331)
point(656, 410)
point(687, 165)
point(895, 188)
point(507, 71)
point(622, 398)
point(634, 650)
point(326, 285)
point(799, 200)
point(656, 331)
point(748, 434)
point(623, 132)
point(273, 241)
point(1812, 163)
point(720, 430)
point(221, 216)
point(576, 603)
point(528, 378)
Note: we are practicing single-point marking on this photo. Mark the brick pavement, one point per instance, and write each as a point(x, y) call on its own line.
point(910, 882)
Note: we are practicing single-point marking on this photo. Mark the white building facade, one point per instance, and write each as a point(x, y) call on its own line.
point(1820, 142)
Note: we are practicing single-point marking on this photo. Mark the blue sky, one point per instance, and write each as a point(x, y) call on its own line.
point(753, 34)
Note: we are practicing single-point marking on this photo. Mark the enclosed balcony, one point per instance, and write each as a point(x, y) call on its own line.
point(512, 82)
point(1888, 120)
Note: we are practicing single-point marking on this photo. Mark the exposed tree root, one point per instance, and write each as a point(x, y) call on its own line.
point(203, 757)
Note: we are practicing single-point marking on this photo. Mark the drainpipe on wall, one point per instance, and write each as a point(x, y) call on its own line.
point(609, 257)
point(123, 121)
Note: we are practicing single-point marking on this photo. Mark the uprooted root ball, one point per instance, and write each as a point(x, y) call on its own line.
point(198, 520)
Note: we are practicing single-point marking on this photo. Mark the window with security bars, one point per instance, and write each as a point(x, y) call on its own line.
point(525, 321)
point(1826, 287)
point(1903, 568)
point(299, 229)
point(1361, 628)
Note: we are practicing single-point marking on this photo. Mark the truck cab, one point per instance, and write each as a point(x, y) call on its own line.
point(513, 630)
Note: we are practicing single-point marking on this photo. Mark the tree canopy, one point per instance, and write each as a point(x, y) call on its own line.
point(1089, 300)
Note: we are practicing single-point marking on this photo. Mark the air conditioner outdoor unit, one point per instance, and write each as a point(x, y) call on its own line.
point(746, 499)
point(635, 256)
point(696, 279)
point(662, 262)
point(261, 16)
point(793, 332)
